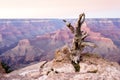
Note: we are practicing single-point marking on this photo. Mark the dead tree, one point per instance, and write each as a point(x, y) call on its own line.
point(78, 40)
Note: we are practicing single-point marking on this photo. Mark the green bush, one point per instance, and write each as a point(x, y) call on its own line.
point(6, 67)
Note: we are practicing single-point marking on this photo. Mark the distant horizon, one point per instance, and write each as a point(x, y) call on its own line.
point(48, 18)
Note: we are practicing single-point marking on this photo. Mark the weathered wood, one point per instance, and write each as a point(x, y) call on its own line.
point(79, 23)
point(89, 44)
point(78, 33)
point(69, 26)
point(79, 37)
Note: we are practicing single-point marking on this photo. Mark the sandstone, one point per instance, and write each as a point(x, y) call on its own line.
point(52, 70)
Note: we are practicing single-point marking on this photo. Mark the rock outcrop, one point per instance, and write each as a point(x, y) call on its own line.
point(92, 67)
point(45, 45)
point(103, 32)
point(23, 53)
point(105, 46)
point(14, 30)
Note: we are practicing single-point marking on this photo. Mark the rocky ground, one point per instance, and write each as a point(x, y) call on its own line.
point(92, 67)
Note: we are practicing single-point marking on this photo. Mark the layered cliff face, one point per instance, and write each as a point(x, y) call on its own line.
point(13, 30)
point(23, 53)
point(109, 28)
point(105, 46)
point(42, 47)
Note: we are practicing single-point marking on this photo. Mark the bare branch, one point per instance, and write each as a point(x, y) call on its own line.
point(81, 20)
point(69, 26)
point(89, 44)
point(84, 35)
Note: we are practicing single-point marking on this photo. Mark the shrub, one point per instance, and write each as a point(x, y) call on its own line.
point(6, 67)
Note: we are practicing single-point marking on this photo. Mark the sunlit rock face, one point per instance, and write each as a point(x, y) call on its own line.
point(23, 53)
point(45, 36)
point(43, 47)
point(13, 30)
point(92, 67)
point(105, 45)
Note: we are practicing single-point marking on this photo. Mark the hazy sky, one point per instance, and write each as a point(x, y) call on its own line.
point(59, 8)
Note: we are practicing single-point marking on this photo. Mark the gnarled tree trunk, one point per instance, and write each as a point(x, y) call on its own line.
point(78, 40)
